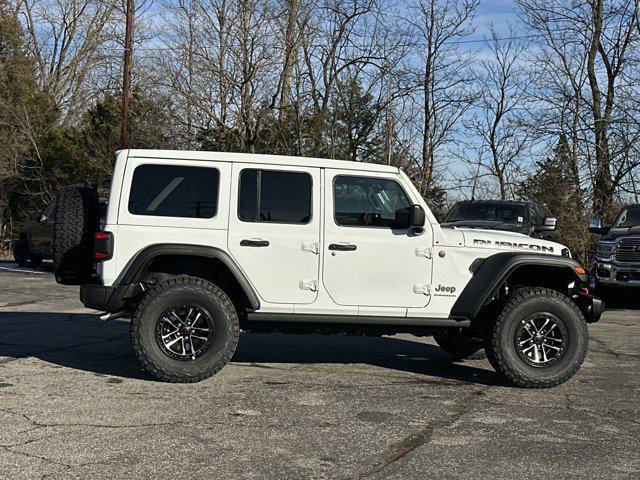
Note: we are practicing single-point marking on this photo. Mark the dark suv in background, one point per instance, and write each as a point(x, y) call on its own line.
point(35, 242)
point(506, 215)
point(618, 250)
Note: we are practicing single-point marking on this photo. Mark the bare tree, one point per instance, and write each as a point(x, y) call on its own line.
point(67, 40)
point(444, 77)
point(589, 52)
point(502, 107)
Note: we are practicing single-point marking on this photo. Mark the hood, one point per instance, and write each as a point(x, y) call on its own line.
point(614, 233)
point(501, 241)
point(488, 225)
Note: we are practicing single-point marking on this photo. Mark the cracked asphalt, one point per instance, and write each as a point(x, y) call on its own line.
point(74, 403)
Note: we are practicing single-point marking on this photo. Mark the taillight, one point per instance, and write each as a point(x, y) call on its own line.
point(102, 246)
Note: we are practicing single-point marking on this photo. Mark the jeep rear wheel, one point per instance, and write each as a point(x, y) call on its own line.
point(460, 345)
point(184, 330)
point(539, 339)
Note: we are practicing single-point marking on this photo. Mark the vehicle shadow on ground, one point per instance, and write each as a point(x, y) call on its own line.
point(620, 301)
point(83, 342)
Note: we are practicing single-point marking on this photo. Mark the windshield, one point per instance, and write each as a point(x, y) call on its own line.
point(492, 212)
point(629, 217)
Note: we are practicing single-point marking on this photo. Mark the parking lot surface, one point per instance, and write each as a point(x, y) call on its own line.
point(74, 403)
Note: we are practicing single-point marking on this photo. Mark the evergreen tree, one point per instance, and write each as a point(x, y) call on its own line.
point(25, 115)
point(553, 186)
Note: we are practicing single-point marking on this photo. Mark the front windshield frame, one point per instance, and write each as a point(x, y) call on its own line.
point(623, 216)
point(518, 212)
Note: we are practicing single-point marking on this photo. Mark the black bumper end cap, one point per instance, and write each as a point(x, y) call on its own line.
point(96, 297)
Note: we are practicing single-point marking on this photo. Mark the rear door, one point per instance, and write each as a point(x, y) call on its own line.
point(274, 230)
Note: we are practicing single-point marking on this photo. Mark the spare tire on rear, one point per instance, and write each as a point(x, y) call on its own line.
point(76, 221)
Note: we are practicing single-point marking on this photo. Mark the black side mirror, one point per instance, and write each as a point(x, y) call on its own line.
point(35, 216)
point(412, 216)
point(595, 226)
point(417, 217)
point(549, 224)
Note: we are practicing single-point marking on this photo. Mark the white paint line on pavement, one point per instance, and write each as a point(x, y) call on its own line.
point(13, 267)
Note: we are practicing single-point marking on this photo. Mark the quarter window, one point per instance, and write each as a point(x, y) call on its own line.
point(174, 191)
point(274, 196)
point(369, 202)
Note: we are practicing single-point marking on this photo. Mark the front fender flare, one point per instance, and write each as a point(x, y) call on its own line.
point(492, 273)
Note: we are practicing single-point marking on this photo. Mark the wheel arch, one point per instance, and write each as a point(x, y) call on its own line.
point(166, 260)
point(515, 269)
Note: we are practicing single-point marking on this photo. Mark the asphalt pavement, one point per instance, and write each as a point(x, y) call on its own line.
point(74, 403)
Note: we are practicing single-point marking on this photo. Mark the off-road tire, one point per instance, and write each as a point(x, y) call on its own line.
point(500, 338)
point(23, 256)
point(75, 223)
point(460, 346)
point(175, 291)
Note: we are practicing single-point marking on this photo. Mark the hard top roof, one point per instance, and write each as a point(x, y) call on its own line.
point(260, 159)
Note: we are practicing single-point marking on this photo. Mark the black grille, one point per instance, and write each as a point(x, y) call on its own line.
point(628, 250)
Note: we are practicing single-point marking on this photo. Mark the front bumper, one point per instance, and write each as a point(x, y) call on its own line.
point(612, 274)
point(591, 307)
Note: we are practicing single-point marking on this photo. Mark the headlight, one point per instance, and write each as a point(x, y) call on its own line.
point(566, 253)
point(605, 250)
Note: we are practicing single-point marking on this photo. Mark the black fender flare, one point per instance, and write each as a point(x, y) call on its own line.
point(130, 273)
point(494, 270)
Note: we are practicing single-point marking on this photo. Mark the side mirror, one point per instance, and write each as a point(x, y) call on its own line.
point(549, 224)
point(417, 217)
point(35, 216)
point(595, 226)
point(412, 216)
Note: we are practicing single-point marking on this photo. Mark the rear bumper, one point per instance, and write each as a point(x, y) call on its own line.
point(96, 297)
point(105, 298)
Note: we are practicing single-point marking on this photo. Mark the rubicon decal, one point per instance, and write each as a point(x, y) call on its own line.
point(512, 245)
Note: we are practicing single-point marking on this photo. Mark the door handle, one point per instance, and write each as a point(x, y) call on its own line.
point(343, 247)
point(254, 243)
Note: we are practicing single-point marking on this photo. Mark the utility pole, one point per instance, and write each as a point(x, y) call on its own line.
point(126, 75)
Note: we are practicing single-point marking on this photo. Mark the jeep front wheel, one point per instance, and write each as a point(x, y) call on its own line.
point(539, 339)
point(184, 330)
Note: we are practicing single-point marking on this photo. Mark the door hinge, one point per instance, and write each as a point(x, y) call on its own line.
point(423, 252)
point(313, 247)
point(423, 289)
point(310, 285)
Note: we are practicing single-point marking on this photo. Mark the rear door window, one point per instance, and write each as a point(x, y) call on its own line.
point(174, 191)
point(274, 196)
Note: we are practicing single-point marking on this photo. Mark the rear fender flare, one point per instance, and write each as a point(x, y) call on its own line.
point(131, 272)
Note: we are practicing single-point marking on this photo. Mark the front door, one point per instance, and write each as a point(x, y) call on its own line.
point(274, 230)
point(370, 258)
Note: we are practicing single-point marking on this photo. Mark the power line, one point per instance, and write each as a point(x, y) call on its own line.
point(457, 42)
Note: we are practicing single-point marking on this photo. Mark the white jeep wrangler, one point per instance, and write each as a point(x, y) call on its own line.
point(200, 245)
